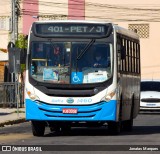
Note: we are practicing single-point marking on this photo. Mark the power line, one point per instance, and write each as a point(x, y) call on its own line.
point(150, 13)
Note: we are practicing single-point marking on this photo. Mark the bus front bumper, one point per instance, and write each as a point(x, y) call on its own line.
point(102, 111)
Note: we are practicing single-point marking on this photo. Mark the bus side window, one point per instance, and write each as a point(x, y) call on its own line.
point(119, 46)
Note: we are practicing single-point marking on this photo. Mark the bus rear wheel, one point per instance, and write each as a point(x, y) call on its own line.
point(38, 128)
point(128, 124)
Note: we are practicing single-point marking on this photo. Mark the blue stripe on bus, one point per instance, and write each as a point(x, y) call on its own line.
point(100, 111)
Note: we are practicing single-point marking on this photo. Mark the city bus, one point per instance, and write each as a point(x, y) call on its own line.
point(81, 74)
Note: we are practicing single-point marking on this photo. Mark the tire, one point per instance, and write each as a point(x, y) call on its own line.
point(114, 128)
point(128, 124)
point(38, 128)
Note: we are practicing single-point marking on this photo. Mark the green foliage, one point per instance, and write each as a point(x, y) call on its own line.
point(21, 42)
point(23, 67)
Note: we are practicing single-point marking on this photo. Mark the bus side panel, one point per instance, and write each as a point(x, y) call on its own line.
point(130, 89)
point(101, 111)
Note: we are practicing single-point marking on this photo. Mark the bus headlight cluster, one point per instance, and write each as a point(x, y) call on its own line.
point(32, 96)
point(109, 96)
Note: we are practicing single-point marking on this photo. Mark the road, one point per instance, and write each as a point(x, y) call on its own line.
point(146, 131)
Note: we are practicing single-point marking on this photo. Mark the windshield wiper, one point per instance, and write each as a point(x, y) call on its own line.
point(83, 52)
point(85, 49)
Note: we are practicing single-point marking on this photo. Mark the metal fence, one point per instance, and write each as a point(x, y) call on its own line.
point(11, 94)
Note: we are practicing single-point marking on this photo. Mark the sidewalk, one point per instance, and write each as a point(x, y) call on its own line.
point(9, 116)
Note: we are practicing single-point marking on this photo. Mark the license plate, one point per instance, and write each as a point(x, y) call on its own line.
point(69, 111)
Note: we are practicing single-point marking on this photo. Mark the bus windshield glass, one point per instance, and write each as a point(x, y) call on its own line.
point(71, 62)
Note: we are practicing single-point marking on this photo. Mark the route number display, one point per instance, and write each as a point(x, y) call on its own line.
point(70, 29)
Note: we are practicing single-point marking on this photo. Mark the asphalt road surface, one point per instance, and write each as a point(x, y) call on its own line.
point(145, 134)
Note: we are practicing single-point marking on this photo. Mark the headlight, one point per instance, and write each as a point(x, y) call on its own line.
point(32, 96)
point(109, 96)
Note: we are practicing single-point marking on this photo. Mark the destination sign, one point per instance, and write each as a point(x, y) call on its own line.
point(70, 29)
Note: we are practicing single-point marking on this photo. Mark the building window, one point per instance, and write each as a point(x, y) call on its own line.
point(141, 29)
point(2, 23)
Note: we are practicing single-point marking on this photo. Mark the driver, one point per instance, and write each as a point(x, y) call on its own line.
point(99, 60)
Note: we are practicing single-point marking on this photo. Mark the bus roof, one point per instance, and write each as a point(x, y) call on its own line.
point(126, 32)
point(71, 21)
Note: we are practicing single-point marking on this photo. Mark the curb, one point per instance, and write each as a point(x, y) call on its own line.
point(11, 122)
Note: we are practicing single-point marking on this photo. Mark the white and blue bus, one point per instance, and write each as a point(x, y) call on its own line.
point(81, 73)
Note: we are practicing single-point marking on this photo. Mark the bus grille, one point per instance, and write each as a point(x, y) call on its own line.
point(88, 111)
point(90, 116)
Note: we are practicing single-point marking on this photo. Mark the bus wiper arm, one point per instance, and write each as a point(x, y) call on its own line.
point(85, 49)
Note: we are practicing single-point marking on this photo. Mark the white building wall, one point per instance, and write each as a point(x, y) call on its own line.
point(52, 10)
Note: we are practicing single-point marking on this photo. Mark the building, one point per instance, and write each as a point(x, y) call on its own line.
point(5, 14)
point(142, 16)
point(3, 61)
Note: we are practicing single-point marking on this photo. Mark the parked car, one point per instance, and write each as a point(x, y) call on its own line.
point(150, 95)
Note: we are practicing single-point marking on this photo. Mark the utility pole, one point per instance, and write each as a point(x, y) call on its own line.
point(14, 36)
point(15, 9)
point(14, 26)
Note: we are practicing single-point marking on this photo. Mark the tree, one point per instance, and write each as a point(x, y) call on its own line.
point(21, 42)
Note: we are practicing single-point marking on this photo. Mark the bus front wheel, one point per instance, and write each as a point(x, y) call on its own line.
point(38, 128)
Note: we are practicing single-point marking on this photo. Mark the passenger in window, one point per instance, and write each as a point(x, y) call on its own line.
point(100, 60)
point(39, 53)
point(56, 56)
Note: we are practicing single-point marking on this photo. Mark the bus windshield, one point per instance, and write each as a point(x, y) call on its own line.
point(71, 62)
